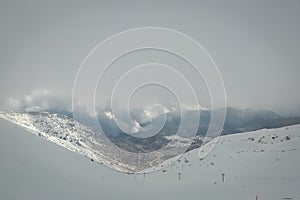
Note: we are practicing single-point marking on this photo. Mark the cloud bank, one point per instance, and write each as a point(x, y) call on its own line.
point(40, 100)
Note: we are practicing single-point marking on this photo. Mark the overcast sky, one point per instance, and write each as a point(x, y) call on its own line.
point(255, 44)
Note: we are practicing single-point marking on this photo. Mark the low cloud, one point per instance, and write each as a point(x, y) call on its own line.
point(193, 107)
point(109, 115)
point(40, 100)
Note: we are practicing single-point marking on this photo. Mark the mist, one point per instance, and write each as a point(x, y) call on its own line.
point(255, 46)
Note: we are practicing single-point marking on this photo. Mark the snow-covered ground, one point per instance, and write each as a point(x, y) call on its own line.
point(74, 136)
point(265, 163)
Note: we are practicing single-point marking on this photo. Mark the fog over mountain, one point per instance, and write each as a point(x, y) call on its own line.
point(205, 93)
point(236, 121)
point(121, 150)
point(254, 44)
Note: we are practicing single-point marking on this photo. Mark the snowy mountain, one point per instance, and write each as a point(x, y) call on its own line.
point(60, 130)
point(76, 137)
point(236, 121)
point(263, 163)
point(123, 153)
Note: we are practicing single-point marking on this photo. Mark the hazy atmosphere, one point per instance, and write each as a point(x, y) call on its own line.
point(255, 45)
point(150, 99)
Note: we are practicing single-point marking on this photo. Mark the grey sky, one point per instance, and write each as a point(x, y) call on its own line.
point(255, 44)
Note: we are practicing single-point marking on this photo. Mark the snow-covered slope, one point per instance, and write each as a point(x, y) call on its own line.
point(76, 137)
point(265, 163)
point(70, 134)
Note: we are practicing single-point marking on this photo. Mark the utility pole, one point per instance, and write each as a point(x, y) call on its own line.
point(139, 160)
point(223, 177)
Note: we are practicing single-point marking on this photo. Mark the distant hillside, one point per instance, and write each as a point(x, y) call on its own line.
point(236, 121)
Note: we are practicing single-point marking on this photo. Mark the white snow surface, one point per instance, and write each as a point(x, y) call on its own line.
point(263, 163)
point(72, 135)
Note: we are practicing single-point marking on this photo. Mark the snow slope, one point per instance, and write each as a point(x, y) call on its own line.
point(76, 137)
point(264, 163)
